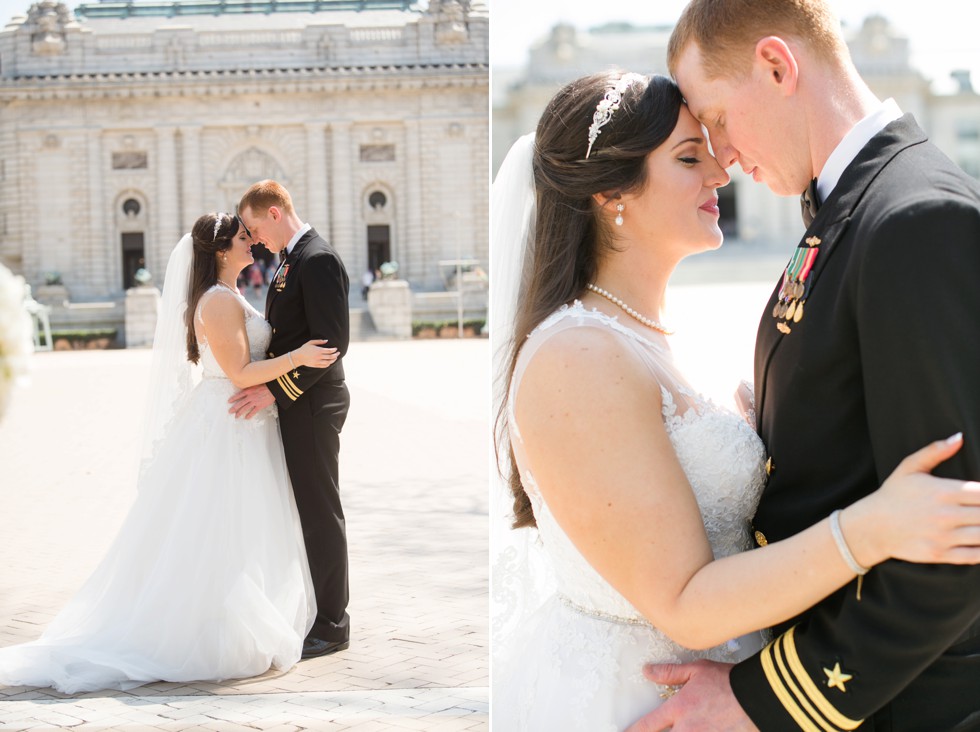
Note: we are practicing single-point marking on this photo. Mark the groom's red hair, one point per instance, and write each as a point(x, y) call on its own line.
point(726, 32)
point(264, 194)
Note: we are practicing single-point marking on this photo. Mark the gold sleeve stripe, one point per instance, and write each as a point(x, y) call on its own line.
point(810, 688)
point(782, 694)
point(290, 386)
point(804, 702)
point(287, 386)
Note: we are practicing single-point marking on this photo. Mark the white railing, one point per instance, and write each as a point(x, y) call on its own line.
point(375, 35)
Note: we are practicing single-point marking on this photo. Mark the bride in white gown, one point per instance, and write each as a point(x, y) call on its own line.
point(640, 490)
point(208, 578)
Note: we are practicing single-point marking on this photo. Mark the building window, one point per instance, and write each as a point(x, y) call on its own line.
point(377, 200)
point(129, 160)
point(377, 153)
point(131, 207)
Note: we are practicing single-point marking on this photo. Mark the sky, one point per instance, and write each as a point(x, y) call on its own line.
point(944, 34)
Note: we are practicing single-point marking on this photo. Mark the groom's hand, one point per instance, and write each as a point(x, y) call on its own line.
point(705, 701)
point(250, 401)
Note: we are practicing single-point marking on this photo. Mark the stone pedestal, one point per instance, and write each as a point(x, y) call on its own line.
point(142, 305)
point(54, 296)
point(390, 305)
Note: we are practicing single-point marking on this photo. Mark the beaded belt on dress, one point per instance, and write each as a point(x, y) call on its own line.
point(599, 615)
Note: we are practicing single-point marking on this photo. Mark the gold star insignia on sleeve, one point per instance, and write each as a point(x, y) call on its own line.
point(295, 374)
point(837, 678)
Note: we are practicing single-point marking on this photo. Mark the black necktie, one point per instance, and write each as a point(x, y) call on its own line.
point(810, 203)
point(282, 256)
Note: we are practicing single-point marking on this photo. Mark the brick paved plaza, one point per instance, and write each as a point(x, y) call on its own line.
point(414, 483)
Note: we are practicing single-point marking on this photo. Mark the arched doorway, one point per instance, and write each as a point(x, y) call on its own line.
point(378, 215)
point(131, 223)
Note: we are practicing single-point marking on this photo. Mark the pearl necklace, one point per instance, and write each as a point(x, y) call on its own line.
point(648, 322)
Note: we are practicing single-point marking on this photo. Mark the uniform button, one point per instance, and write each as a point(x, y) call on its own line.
point(273, 331)
point(760, 538)
point(770, 466)
point(271, 354)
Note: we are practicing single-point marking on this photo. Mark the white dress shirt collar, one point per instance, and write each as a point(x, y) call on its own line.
point(296, 237)
point(853, 142)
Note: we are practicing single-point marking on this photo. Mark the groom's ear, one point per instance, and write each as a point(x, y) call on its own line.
point(776, 62)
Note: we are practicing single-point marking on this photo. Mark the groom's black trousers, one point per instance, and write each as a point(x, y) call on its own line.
point(311, 438)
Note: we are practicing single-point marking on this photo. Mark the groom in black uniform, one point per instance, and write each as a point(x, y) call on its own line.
point(307, 299)
point(868, 350)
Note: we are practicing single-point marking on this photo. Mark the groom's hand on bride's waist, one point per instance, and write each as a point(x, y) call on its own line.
point(703, 702)
point(249, 402)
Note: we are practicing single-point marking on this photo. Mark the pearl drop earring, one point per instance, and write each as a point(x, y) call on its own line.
point(619, 216)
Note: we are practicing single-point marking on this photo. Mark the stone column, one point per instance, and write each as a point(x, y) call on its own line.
point(412, 246)
point(164, 214)
point(342, 205)
point(193, 203)
point(100, 237)
point(317, 193)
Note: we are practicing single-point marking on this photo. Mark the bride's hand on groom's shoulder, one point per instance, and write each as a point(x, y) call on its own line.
point(704, 700)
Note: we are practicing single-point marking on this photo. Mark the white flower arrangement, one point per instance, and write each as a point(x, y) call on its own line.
point(16, 342)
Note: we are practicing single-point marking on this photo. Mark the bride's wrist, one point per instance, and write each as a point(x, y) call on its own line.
point(862, 533)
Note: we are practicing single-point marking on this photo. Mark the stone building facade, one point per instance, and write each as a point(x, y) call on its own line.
point(751, 217)
point(120, 125)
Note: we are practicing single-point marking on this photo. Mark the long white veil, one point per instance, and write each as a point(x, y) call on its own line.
point(172, 376)
point(520, 580)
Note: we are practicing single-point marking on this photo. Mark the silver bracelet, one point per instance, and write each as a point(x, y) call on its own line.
point(290, 357)
point(842, 547)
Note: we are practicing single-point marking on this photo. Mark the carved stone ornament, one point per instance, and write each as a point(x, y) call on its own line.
point(377, 153)
point(48, 20)
point(450, 17)
point(129, 160)
point(251, 165)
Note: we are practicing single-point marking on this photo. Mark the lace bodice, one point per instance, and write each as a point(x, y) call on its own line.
point(258, 331)
point(720, 453)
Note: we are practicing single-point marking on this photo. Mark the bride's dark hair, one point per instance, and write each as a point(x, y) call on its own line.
point(569, 234)
point(208, 242)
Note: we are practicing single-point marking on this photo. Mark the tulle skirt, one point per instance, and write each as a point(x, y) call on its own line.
point(564, 670)
point(207, 579)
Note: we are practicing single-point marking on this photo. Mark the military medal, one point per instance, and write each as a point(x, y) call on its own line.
point(795, 288)
point(279, 281)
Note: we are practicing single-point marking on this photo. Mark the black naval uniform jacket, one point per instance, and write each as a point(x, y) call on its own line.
point(308, 300)
point(885, 359)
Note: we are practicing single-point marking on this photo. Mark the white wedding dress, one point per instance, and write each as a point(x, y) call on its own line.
point(208, 578)
point(576, 662)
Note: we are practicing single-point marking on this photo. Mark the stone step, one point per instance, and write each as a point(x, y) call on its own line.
point(362, 326)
